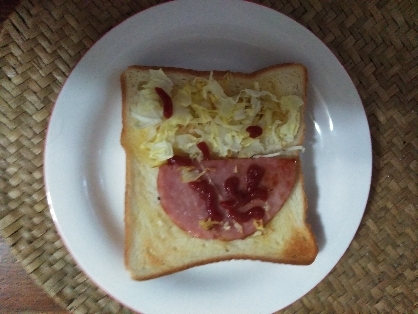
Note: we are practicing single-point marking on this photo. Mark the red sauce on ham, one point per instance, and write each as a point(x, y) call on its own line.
point(204, 148)
point(180, 161)
point(254, 176)
point(256, 212)
point(238, 199)
point(207, 192)
point(167, 102)
point(188, 208)
point(254, 130)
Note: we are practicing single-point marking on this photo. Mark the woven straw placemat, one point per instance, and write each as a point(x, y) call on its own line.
point(377, 43)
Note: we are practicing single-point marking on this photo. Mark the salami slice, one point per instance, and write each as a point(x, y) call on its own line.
point(258, 187)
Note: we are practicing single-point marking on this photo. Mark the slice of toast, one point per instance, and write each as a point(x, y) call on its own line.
point(154, 245)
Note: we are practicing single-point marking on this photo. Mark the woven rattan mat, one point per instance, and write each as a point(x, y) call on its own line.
point(377, 43)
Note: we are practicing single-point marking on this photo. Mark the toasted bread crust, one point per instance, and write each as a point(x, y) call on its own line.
point(128, 173)
point(216, 73)
point(145, 253)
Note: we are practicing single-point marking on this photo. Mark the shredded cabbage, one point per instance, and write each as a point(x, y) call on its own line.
point(148, 111)
point(202, 111)
point(189, 174)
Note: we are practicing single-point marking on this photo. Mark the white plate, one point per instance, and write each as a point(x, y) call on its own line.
point(85, 164)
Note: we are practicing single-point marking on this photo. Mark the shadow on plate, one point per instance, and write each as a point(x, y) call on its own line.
point(310, 176)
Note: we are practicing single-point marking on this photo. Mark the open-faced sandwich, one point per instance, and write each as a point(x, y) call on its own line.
point(213, 170)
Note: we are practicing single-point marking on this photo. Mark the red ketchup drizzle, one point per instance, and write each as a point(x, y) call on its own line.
point(180, 161)
point(204, 148)
point(239, 198)
point(254, 175)
point(208, 193)
point(167, 102)
point(254, 130)
point(256, 212)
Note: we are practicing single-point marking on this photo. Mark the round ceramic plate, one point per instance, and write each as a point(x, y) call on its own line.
point(85, 163)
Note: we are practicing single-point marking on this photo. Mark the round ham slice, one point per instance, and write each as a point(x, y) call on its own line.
point(188, 210)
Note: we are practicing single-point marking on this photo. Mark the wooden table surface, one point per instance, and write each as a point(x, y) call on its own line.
point(18, 293)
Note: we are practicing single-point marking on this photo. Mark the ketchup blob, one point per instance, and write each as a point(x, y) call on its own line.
point(167, 102)
point(180, 161)
point(254, 130)
point(238, 199)
point(204, 148)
